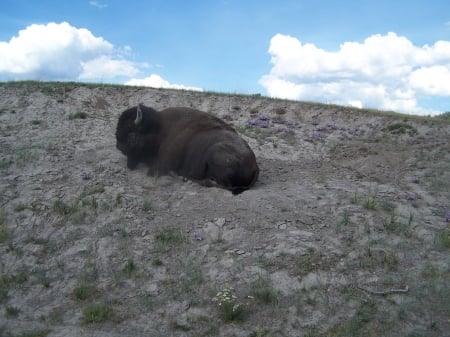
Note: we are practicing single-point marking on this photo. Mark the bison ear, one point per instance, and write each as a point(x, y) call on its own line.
point(138, 119)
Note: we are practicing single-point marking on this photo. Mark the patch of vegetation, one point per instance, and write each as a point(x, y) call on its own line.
point(24, 155)
point(84, 292)
point(402, 128)
point(41, 277)
point(20, 208)
point(263, 291)
point(157, 262)
point(78, 115)
point(280, 111)
point(344, 221)
point(35, 333)
point(36, 122)
point(229, 307)
point(444, 116)
point(4, 232)
point(359, 324)
point(442, 239)
point(170, 236)
point(12, 311)
point(147, 205)
point(431, 272)
point(373, 259)
point(98, 313)
point(72, 212)
point(395, 226)
point(90, 272)
point(370, 203)
point(129, 268)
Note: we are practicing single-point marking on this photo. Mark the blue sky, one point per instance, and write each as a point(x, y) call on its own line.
point(392, 55)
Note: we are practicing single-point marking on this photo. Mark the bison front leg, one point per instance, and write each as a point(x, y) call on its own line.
point(132, 163)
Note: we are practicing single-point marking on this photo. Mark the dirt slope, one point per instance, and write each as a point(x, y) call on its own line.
point(344, 234)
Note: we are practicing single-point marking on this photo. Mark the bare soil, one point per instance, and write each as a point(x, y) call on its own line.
point(344, 234)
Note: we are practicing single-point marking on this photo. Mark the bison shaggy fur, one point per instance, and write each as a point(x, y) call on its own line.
point(189, 142)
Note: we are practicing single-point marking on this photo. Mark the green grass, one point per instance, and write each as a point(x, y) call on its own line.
point(402, 128)
point(129, 268)
point(4, 232)
point(157, 262)
point(370, 203)
point(230, 309)
point(12, 311)
point(170, 236)
point(35, 333)
point(78, 115)
point(359, 324)
point(74, 211)
point(84, 292)
point(98, 313)
point(147, 205)
point(263, 291)
point(442, 239)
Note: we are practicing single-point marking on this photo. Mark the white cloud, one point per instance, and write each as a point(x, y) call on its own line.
point(103, 67)
point(385, 72)
point(59, 51)
point(156, 81)
point(98, 4)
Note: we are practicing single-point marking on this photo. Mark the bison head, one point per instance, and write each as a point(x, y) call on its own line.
point(134, 131)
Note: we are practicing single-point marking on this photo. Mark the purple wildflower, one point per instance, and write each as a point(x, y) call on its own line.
point(447, 217)
point(86, 175)
point(331, 126)
point(197, 236)
point(416, 180)
point(317, 135)
point(410, 196)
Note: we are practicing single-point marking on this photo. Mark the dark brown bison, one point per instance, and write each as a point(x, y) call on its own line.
point(191, 143)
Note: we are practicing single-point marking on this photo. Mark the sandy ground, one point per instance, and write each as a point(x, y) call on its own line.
point(344, 234)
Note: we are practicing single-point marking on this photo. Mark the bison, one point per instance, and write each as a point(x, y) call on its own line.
point(189, 142)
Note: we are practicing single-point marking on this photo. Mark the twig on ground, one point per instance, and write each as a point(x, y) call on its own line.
point(384, 292)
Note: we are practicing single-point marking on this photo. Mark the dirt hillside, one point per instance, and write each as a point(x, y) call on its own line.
point(346, 233)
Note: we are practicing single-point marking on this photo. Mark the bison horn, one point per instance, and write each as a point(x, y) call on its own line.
point(138, 119)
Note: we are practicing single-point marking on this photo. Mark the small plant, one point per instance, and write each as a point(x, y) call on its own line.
point(280, 111)
point(169, 235)
point(354, 199)
point(345, 219)
point(442, 239)
point(229, 307)
point(157, 262)
point(147, 205)
point(78, 115)
point(4, 232)
point(36, 122)
point(35, 333)
point(118, 199)
point(42, 277)
point(430, 271)
point(20, 208)
point(263, 291)
point(12, 311)
point(402, 128)
point(98, 313)
point(370, 203)
point(84, 292)
point(90, 272)
point(129, 268)
point(61, 208)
